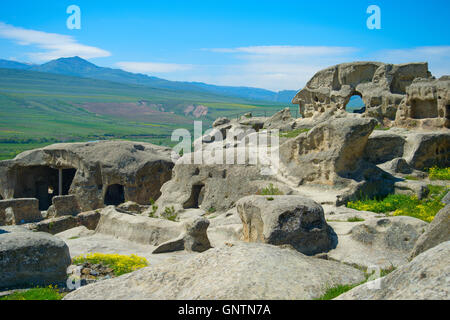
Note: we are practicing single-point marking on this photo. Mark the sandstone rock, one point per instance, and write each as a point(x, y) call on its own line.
point(75, 233)
point(55, 225)
point(29, 259)
point(426, 150)
point(437, 231)
point(426, 104)
point(281, 120)
point(220, 121)
point(412, 187)
point(64, 206)
point(132, 207)
point(376, 242)
point(89, 219)
point(139, 229)
point(97, 173)
point(235, 272)
point(281, 220)
point(381, 86)
point(19, 211)
point(384, 146)
point(424, 278)
point(194, 238)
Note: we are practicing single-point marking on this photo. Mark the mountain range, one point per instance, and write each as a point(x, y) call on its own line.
point(79, 67)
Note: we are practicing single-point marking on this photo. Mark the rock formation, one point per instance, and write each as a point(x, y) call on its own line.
point(405, 94)
point(97, 173)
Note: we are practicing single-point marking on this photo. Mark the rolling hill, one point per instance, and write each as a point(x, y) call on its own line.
point(79, 67)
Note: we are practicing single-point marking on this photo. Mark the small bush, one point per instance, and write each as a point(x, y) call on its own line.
point(355, 219)
point(436, 173)
point(270, 190)
point(211, 210)
point(270, 199)
point(48, 293)
point(154, 208)
point(170, 214)
point(293, 133)
point(121, 264)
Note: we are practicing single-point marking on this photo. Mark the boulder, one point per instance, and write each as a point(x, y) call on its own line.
point(384, 146)
point(64, 206)
point(139, 229)
point(132, 207)
point(19, 211)
point(220, 121)
point(89, 219)
point(429, 149)
point(98, 173)
point(426, 277)
point(281, 220)
point(194, 238)
point(75, 233)
point(438, 231)
point(282, 120)
point(55, 225)
point(237, 271)
point(376, 242)
point(29, 259)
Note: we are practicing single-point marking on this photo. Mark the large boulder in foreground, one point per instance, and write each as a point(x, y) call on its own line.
point(438, 231)
point(235, 272)
point(424, 278)
point(279, 220)
point(29, 259)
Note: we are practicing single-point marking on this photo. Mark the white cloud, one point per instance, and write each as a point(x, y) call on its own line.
point(55, 45)
point(438, 57)
point(153, 67)
point(279, 67)
point(287, 50)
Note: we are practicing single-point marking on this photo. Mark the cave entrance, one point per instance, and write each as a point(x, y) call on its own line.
point(355, 104)
point(115, 195)
point(196, 198)
point(43, 183)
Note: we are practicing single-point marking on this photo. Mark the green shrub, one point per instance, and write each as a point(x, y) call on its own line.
point(336, 291)
point(154, 208)
point(211, 210)
point(48, 293)
point(404, 205)
point(436, 173)
point(170, 214)
point(121, 264)
point(270, 199)
point(293, 133)
point(355, 219)
point(270, 190)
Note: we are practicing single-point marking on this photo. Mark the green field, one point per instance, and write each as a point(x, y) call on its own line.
point(38, 109)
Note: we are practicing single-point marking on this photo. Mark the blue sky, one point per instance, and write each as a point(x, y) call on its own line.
point(269, 44)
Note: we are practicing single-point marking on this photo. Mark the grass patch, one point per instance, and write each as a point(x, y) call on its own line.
point(355, 219)
point(380, 127)
point(48, 293)
point(293, 133)
point(270, 190)
point(404, 205)
point(334, 292)
point(121, 264)
point(411, 178)
point(436, 173)
point(170, 214)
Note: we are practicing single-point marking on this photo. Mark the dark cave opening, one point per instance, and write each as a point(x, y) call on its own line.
point(196, 198)
point(115, 195)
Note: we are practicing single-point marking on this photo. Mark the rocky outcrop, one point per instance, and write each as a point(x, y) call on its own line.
point(381, 86)
point(29, 259)
point(194, 238)
point(424, 278)
point(97, 173)
point(233, 272)
point(437, 232)
point(376, 242)
point(64, 206)
point(19, 211)
point(281, 120)
point(139, 229)
point(281, 220)
point(426, 105)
